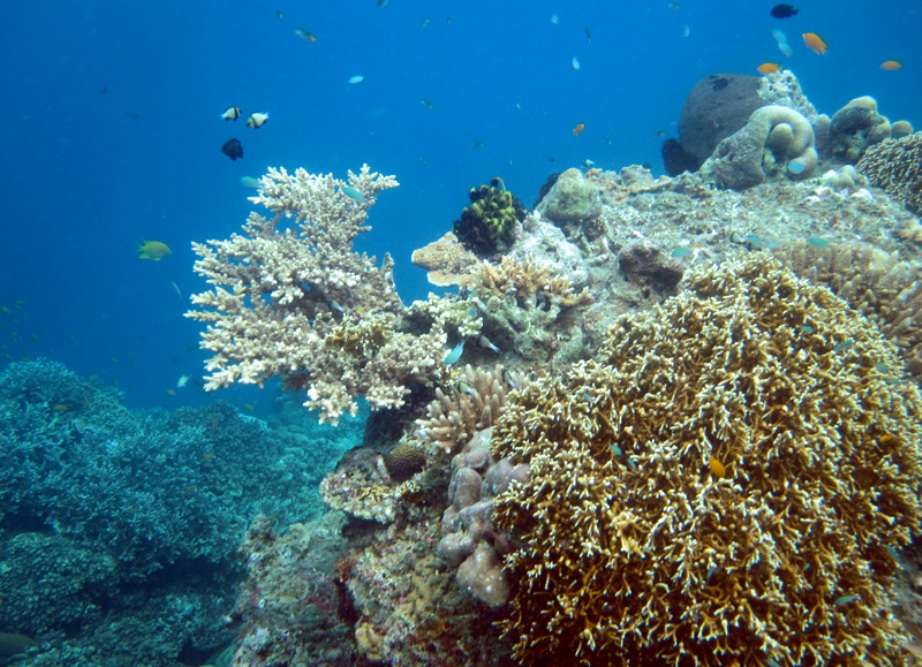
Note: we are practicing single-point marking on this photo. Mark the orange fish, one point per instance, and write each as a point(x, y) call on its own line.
point(717, 468)
point(891, 65)
point(768, 68)
point(815, 43)
point(578, 129)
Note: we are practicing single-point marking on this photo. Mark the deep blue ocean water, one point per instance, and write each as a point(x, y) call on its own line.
point(111, 131)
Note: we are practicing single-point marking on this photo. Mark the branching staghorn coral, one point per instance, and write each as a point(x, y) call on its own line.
point(723, 485)
point(300, 303)
point(886, 290)
point(472, 404)
point(533, 285)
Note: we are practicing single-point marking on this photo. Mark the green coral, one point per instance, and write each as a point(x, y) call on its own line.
point(487, 226)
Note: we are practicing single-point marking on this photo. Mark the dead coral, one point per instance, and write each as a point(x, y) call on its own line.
point(473, 403)
point(361, 486)
point(718, 478)
point(886, 290)
point(895, 166)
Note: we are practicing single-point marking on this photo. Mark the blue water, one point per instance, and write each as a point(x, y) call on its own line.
point(111, 131)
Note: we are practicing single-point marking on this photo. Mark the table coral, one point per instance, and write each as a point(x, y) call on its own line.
point(632, 550)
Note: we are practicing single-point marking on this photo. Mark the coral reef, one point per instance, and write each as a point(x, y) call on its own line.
point(119, 526)
point(573, 201)
point(487, 225)
point(446, 261)
point(776, 140)
point(895, 166)
point(291, 609)
point(472, 404)
point(733, 463)
point(886, 290)
point(856, 127)
point(303, 305)
point(469, 540)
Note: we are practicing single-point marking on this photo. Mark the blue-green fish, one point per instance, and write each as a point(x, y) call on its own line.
point(354, 194)
point(454, 354)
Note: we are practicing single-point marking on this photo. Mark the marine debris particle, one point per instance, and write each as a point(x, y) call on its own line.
point(574, 63)
point(782, 41)
point(355, 78)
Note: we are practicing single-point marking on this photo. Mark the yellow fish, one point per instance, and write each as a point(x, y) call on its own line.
point(153, 250)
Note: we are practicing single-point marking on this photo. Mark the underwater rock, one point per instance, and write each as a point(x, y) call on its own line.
point(643, 264)
point(572, 199)
point(481, 575)
point(716, 107)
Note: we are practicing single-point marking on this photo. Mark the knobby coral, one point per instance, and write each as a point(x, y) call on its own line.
point(723, 484)
point(300, 303)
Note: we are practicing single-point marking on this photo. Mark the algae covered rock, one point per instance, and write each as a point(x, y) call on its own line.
point(572, 199)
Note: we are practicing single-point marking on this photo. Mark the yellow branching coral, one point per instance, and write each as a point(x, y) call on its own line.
point(635, 547)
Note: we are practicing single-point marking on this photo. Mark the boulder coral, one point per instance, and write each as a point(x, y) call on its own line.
point(731, 464)
point(895, 166)
point(856, 127)
point(775, 140)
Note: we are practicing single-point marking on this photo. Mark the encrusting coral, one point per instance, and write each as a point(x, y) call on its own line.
point(723, 484)
point(895, 166)
point(300, 303)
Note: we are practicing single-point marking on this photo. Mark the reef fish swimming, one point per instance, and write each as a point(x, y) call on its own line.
point(233, 149)
point(815, 43)
point(783, 11)
point(153, 251)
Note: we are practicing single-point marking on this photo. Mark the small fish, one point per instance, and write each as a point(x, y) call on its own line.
point(588, 164)
point(768, 68)
point(383, 3)
point(153, 251)
point(686, 30)
point(426, 103)
point(815, 43)
point(588, 32)
point(574, 63)
point(170, 392)
point(454, 354)
point(782, 40)
point(249, 407)
point(784, 11)
point(182, 381)
point(355, 78)
point(578, 129)
point(891, 65)
point(280, 15)
point(555, 20)
point(487, 343)
point(717, 468)
point(231, 113)
point(661, 133)
point(425, 22)
point(353, 194)
point(249, 182)
point(306, 35)
point(478, 143)
point(257, 119)
point(232, 148)
point(681, 251)
point(843, 600)
point(818, 242)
